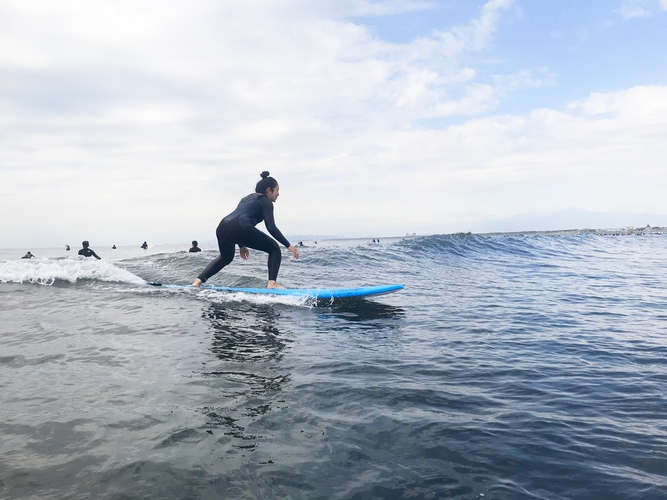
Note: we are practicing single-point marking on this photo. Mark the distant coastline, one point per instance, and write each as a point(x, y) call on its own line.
point(625, 231)
point(629, 230)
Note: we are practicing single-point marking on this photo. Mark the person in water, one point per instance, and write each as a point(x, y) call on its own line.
point(238, 228)
point(67, 247)
point(144, 245)
point(29, 255)
point(88, 252)
point(194, 247)
point(113, 247)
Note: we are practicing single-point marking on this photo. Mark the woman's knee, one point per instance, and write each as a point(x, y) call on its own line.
point(275, 254)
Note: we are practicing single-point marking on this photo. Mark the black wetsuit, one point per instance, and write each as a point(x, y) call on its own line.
point(238, 228)
point(194, 249)
point(88, 252)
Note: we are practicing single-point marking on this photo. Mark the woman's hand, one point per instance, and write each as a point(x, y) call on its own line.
point(244, 252)
point(294, 251)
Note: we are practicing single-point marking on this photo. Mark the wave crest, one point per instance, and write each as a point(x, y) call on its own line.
point(70, 269)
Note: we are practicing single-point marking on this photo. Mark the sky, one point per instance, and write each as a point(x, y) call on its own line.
point(148, 120)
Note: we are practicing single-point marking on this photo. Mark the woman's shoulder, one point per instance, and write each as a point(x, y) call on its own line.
point(251, 197)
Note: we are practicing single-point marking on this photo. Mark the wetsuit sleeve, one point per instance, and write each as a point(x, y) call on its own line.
point(267, 209)
point(95, 255)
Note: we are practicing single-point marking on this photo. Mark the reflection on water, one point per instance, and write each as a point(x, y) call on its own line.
point(245, 332)
point(249, 341)
point(350, 317)
point(362, 310)
point(249, 346)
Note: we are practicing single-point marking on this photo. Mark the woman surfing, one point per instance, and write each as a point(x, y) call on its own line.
point(238, 228)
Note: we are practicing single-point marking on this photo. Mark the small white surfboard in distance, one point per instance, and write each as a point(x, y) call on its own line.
point(314, 293)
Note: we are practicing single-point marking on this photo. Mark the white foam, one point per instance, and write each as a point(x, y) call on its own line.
point(47, 271)
point(257, 298)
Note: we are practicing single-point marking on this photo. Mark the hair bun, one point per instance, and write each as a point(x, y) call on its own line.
point(264, 174)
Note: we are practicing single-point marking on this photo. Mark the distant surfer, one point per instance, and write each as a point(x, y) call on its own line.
point(238, 228)
point(194, 247)
point(88, 252)
point(144, 245)
point(113, 247)
point(67, 248)
point(29, 255)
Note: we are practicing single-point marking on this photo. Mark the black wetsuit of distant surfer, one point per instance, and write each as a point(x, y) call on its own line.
point(88, 252)
point(238, 228)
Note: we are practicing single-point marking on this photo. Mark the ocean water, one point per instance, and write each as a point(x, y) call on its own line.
point(510, 367)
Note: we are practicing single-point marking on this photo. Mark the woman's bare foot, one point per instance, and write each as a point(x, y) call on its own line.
point(197, 282)
point(273, 284)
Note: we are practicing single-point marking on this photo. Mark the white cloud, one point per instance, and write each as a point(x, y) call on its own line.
point(134, 121)
point(382, 8)
point(603, 153)
point(476, 34)
point(640, 8)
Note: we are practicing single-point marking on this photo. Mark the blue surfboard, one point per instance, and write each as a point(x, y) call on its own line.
point(313, 293)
